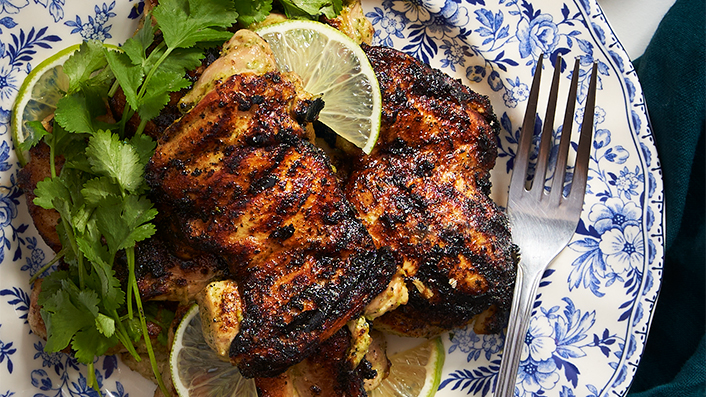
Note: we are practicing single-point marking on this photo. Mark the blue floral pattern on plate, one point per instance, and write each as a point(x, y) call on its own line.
point(595, 302)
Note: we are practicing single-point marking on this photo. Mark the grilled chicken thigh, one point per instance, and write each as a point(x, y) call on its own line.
point(423, 192)
point(238, 177)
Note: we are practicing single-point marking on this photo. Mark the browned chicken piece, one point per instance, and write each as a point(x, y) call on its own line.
point(164, 276)
point(221, 311)
point(352, 22)
point(35, 171)
point(34, 315)
point(333, 370)
point(375, 368)
point(423, 192)
point(238, 178)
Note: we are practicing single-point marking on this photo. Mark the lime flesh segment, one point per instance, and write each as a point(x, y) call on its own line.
point(197, 370)
point(38, 96)
point(415, 372)
point(334, 66)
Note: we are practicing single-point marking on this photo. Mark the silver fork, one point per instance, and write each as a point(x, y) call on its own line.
point(542, 222)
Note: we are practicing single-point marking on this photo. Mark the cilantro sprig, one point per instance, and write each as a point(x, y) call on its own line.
point(100, 192)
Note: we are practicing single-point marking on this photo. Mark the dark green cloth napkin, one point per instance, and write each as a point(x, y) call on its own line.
point(673, 76)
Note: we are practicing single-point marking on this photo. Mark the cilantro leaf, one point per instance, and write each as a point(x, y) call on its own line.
point(66, 312)
point(48, 190)
point(102, 277)
point(73, 113)
point(83, 63)
point(250, 12)
point(182, 59)
point(144, 147)
point(69, 145)
point(90, 342)
point(124, 222)
point(157, 92)
point(187, 22)
point(105, 325)
point(128, 75)
point(137, 46)
point(37, 132)
point(312, 8)
point(51, 284)
point(110, 157)
point(97, 189)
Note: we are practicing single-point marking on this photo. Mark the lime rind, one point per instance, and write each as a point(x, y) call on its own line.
point(38, 95)
point(197, 370)
point(415, 372)
point(330, 63)
point(438, 366)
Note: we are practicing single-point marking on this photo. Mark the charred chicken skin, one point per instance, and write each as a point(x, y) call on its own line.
point(238, 178)
point(423, 192)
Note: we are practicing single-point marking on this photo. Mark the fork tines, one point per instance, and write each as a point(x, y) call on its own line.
point(520, 170)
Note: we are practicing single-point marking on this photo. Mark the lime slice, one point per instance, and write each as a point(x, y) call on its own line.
point(197, 370)
point(38, 95)
point(415, 372)
point(331, 64)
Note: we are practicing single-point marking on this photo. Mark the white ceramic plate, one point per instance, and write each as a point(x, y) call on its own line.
point(596, 301)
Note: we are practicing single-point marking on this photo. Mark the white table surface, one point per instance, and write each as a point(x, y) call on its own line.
point(634, 21)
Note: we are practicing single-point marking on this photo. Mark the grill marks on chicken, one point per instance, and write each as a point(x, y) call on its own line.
point(237, 177)
point(423, 192)
point(164, 276)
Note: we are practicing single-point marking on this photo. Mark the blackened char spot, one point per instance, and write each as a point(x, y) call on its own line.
point(424, 168)
point(263, 184)
point(365, 370)
point(283, 232)
point(399, 147)
point(244, 104)
point(315, 107)
point(256, 140)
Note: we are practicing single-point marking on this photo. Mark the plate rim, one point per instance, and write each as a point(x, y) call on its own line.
point(591, 5)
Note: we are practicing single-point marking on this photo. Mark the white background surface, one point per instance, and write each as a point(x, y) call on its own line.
point(634, 21)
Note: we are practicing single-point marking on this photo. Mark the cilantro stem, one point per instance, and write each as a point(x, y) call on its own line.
point(145, 333)
point(124, 338)
point(127, 115)
point(52, 163)
point(46, 267)
point(141, 127)
point(113, 88)
point(92, 381)
point(131, 280)
point(68, 229)
point(143, 87)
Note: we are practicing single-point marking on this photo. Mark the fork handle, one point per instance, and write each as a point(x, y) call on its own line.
point(520, 314)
